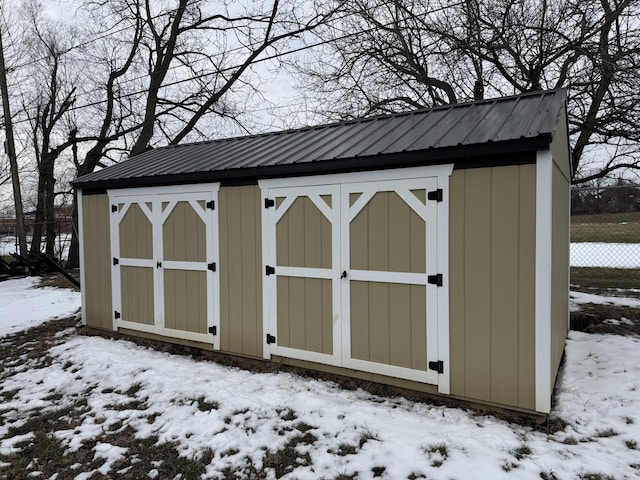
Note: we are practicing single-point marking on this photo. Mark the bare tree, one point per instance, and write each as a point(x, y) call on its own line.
point(411, 54)
point(11, 153)
point(211, 69)
point(47, 102)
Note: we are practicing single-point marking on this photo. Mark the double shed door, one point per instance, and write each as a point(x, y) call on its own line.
point(164, 253)
point(348, 271)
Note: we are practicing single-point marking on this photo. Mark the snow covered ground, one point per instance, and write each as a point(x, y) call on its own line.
point(61, 247)
point(240, 421)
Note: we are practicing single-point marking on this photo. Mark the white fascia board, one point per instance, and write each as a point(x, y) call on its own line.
point(359, 177)
point(544, 239)
point(164, 190)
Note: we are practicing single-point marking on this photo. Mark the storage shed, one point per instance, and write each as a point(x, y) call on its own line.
point(427, 250)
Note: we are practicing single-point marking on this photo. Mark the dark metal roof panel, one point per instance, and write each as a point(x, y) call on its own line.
point(498, 121)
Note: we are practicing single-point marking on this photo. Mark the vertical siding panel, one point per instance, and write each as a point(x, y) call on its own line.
point(378, 322)
point(202, 302)
point(504, 285)
point(283, 336)
point(560, 273)
point(399, 233)
point(359, 317)
point(169, 299)
point(399, 325)
point(253, 196)
point(97, 261)
point(327, 317)
point(248, 268)
point(378, 235)
point(240, 265)
point(312, 221)
point(313, 314)
point(234, 266)
point(477, 281)
point(223, 265)
point(282, 242)
point(417, 246)
point(297, 335)
point(326, 240)
point(359, 242)
point(457, 202)
point(526, 293)
point(297, 239)
point(418, 339)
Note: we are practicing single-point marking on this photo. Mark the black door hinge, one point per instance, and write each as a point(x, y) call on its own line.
point(269, 270)
point(437, 366)
point(211, 205)
point(212, 266)
point(116, 314)
point(114, 208)
point(435, 279)
point(268, 202)
point(213, 330)
point(270, 339)
point(435, 195)
point(115, 261)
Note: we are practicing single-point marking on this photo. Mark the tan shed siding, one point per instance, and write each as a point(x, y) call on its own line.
point(387, 235)
point(305, 314)
point(97, 261)
point(136, 234)
point(240, 270)
point(303, 236)
point(184, 235)
point(492, 278)
point(185, 300)
point(388, 324)
point(560, 268)
point(560, 146)
point(137, 294)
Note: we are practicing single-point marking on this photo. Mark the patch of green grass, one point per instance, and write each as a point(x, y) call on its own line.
point(609, 228)
point(606, 281)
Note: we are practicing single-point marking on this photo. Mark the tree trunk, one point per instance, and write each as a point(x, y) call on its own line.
point(11, 152)
point(44, 222)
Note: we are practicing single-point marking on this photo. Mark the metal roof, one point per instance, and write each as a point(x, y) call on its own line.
point(506, 125)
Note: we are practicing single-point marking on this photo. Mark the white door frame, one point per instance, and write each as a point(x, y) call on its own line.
point(402, 180)
point(156, 196)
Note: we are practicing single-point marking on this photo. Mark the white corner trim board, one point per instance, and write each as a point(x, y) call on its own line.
point(544, 202)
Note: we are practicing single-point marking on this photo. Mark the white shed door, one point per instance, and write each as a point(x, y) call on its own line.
point(352, 273)
point(164, 262)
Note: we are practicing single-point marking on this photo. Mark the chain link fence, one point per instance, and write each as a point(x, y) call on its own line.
point(605, 226)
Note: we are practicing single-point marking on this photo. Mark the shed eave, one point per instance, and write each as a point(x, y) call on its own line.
point(464, 156)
